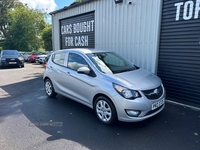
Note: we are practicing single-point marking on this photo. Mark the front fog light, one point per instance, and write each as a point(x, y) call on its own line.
point(132, 113)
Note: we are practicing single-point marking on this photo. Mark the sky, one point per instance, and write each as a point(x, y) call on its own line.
point(49, 5)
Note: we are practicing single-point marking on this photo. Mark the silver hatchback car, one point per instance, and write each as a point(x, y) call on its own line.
point(108, 83)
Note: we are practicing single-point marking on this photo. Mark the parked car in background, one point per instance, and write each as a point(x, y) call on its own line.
point(21, 53)
point(47, 58)
point(26, 55)
point(108, 83)
point(40, 58)
point(11, 58)
point(32, 57)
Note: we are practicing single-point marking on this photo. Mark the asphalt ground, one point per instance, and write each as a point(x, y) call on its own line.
point(29, 120)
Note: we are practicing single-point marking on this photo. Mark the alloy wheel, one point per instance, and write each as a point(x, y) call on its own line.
point(105, 110)
point(48, 88)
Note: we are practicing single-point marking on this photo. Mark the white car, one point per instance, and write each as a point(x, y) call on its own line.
point(40, 59)
point(26, 55)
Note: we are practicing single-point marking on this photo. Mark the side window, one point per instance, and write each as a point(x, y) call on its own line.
point(75, 61)
point(59, 58)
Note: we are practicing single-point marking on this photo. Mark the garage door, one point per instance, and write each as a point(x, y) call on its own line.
point(179, 55)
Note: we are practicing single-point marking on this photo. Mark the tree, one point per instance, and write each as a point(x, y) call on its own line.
point(24, 31)
point(47, 37)
point(5, 7)
point(76, 1)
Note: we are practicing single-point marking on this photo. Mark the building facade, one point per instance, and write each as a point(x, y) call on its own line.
point(162, 36)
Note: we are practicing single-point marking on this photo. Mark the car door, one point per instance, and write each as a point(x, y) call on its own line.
point(79, 86)
point(57, 72)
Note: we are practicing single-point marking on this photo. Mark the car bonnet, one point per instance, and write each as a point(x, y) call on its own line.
point(137, 79)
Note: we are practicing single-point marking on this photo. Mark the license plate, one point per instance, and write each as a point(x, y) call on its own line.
point(12, 62)
point(158, 104)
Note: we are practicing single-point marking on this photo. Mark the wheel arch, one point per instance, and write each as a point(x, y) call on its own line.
point(46, 78)
point(101, 94)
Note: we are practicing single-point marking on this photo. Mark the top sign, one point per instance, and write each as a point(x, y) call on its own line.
point(78, 31)
point(188, 10)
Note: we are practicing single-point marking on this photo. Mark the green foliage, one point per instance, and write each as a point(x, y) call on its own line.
point(47, 38)
point(25, 28)
point(77, 1)
point(1, 44)
point(41, 49)
point(5, 7)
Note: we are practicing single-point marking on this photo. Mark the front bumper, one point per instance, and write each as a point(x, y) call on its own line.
point(142, 104)
point(37, 60)
point(11, 62)
point(41, 60)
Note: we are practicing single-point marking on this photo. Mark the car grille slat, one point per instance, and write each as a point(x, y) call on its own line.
point(153, 93)
point(10, 59)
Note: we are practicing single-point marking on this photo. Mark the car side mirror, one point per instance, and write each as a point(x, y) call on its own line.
point(83, 70)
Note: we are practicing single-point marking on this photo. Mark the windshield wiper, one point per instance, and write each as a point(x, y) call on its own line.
point(125, 70)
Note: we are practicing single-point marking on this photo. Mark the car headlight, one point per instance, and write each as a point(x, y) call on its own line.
point(126, 93)
point(21, 58)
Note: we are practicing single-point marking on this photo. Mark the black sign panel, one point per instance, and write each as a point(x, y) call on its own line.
point(179, 55)
point(78, 31)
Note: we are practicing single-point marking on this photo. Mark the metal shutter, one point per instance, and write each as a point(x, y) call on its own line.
point(179, 55)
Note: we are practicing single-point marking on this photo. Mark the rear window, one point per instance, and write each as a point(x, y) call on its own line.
point(59, 58)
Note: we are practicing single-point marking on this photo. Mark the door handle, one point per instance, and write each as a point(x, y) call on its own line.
point(61, 71)
point(52, 68)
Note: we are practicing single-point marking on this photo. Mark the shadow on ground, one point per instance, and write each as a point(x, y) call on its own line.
point(177, 127)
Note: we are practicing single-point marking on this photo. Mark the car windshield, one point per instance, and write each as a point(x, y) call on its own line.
point(10, 52)
point(110, 62)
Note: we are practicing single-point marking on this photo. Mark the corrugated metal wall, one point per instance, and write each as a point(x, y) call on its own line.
point(179, 58)
point(129, 29)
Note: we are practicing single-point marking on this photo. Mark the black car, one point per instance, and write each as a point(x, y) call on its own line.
point(11, 58)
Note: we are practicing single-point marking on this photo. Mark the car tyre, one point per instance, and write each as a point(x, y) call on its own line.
point(105, 110)
point(21, 66)
point(49, 89)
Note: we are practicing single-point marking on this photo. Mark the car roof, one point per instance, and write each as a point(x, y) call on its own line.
point(9, 50)
point(83, 50)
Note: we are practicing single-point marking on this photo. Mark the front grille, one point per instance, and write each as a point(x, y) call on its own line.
point(153, 93)
point(10, 59)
